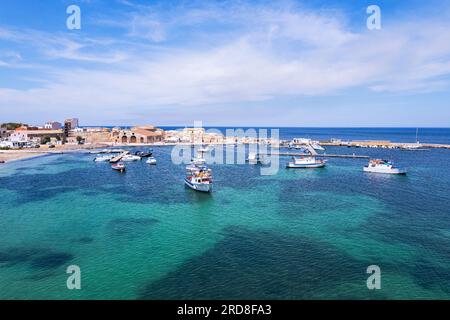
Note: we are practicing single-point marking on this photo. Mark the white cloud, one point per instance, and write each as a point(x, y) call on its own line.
point(259, 54)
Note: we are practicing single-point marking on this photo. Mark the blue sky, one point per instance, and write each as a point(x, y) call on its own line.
point(226, 63)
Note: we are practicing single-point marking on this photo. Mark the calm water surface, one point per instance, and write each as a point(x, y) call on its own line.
point(295, 235)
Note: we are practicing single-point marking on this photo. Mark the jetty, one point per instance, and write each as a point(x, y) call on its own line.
point(119, 157)
point(385, 144)
point(349, 156)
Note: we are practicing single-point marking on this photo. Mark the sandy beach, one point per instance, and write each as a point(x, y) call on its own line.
point(10, 156)
point(15, 155)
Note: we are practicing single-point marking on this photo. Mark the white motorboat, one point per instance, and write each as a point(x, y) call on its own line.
point(103, 158)
point(383, 166)
point(130, 158)
point(254, 158)
point(118, 167)
point(151, 160)
point(317, 146)
point(306, 162)
point(199, 178)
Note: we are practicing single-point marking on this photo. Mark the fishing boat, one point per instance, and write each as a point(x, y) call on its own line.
point(383, 166)
point(130, 158)
point(199, 159)
point(118, 167)
point(151, 160)
point(199, 178)
point(306, 162)
point(143, 154)
point(103, 158)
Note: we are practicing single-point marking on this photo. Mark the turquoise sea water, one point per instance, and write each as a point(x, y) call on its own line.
point(295, 235)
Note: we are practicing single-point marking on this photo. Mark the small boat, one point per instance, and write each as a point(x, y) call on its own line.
point(306, 162)
point(103, 158)
point(109, 151)
point(199, 178)
point(317, 146)
point(383, 166)
point(254, 158)
point(118, 167)
point(130, 157)
point(151, 161)
point(143, 154)
point(203, 150)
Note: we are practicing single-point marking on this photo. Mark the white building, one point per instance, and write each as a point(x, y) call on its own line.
point(19, 137)
point(53, 125)
point(79, 130)
point(22, 137)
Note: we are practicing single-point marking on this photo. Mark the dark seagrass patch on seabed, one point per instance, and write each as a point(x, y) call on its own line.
point(37, 258)
point(129, 227)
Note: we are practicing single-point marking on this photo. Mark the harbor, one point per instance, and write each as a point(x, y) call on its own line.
point(338, 215)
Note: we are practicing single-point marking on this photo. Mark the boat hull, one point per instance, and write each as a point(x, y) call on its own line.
point(102, 159)
point(385, 171)
point(202, 187)
point(305, 166)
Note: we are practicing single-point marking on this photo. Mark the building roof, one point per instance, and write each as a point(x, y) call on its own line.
point(41, 132)
point(145, 132)
point(146, 127)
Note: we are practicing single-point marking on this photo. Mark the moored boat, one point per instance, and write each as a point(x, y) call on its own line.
point(103, 158)
point(383, 166)
point(317, 146)
point(129, 158)
point(199, 178)
point(252, 158)
point(151, 161)
point(118, 167)
point(306, 162)
point(144, 154)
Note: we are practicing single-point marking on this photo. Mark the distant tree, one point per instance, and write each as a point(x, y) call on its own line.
point(79, 139)
point(11, 125)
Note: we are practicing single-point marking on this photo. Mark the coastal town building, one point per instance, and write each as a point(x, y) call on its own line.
point(53, 125)
point(69, 125)
point(24, 135)
point(193, 136)
point(138, 134)
point(74, 122)
point(89, 135)
point(4, 134)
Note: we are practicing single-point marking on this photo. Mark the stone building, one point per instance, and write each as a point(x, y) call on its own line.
point(136, 135)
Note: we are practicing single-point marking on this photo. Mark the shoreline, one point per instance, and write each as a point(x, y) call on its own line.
point(8, 156)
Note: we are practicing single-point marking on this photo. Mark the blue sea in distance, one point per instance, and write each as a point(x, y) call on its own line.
point(299, 234)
